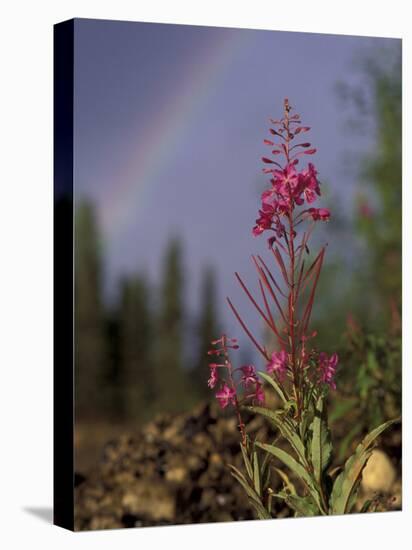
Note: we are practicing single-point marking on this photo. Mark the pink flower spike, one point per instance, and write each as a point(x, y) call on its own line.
point(248, 375)
point(327, 369)
point(322, 214)
point(278, 364)
point(213, 377)
point(225, 396)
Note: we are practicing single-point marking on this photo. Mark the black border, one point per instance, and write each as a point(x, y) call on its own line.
point(63, 417)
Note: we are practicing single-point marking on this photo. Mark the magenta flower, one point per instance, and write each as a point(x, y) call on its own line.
point(265, 220)
point(248, 375)
point(286, 180)
point(213, 379)
point(278, 364)
point(322, 214)
point(226, 396)
point(309, 183)
point(269, 200)
point(289, 186)
point(327, 369)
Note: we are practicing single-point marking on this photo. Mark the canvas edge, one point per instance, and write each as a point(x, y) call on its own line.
point(63, 263)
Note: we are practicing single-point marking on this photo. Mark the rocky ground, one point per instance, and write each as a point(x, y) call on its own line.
point(174, 471)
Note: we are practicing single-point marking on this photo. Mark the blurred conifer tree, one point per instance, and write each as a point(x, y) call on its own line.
point(171, 388)
point(135, 326)
point(207, 330)
point(381, 226)
point(89, 319)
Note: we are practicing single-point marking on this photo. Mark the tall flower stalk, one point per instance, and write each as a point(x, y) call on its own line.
point(299, 373)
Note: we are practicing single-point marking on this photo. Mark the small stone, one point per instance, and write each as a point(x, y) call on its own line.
point(215, 459)
point(176, 475)
point(104, 522)
point(379, 473)
point(150, 500)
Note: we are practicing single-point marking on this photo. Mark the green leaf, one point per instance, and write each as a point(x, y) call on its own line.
point(243, 481)
point(303, 506)
point(254, 498)
point(369, 506)
point(365, 507)
point(256, 474)
point(246, 461)
point(347, 483)
point(288, 460)
point(303, 425)
point(274, 385)
point(296, 468)
point(287, 483)
point(285, 429)
point(321, 444)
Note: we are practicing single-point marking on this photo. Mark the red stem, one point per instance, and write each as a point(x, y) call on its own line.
point(243, 325)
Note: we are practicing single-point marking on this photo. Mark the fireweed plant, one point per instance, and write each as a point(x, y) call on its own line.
point(300, 374)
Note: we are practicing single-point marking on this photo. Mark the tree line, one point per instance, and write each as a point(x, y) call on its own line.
point(131, 359)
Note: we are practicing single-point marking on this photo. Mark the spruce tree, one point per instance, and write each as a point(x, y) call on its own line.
point(136, 350)
point(88, 311)
point(207, 330)
point(382, 169)
point(170, 376)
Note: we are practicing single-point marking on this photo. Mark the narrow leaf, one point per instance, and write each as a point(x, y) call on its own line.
point(274, 385)
point(347, 483)
point(289, 434)
point(254, 498)
point(309, 306)
point(268, 321)
point(287, 459)
point(242, 324)
point(281, 263)
point(267, 284)
point(296, 468)
point(321, 445)
point(246, 461)
point(256, 473)
point(303, 506)
point(288, 484)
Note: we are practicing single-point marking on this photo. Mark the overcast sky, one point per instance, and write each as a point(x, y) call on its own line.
point(169, 129)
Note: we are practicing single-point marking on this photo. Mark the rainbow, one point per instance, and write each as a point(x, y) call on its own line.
point(162, 137)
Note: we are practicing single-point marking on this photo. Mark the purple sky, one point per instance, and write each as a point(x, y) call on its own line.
point(169, 129)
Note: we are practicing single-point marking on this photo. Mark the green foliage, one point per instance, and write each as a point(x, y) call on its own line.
point(252, 483)
point(375, 107)
point(274, 385)
point(346, 485)
point(286, 426)
point(310, 462)
point(371, 285)
point(382, 170)
point(302, 506)
point(370, 385)
point(321, 444)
